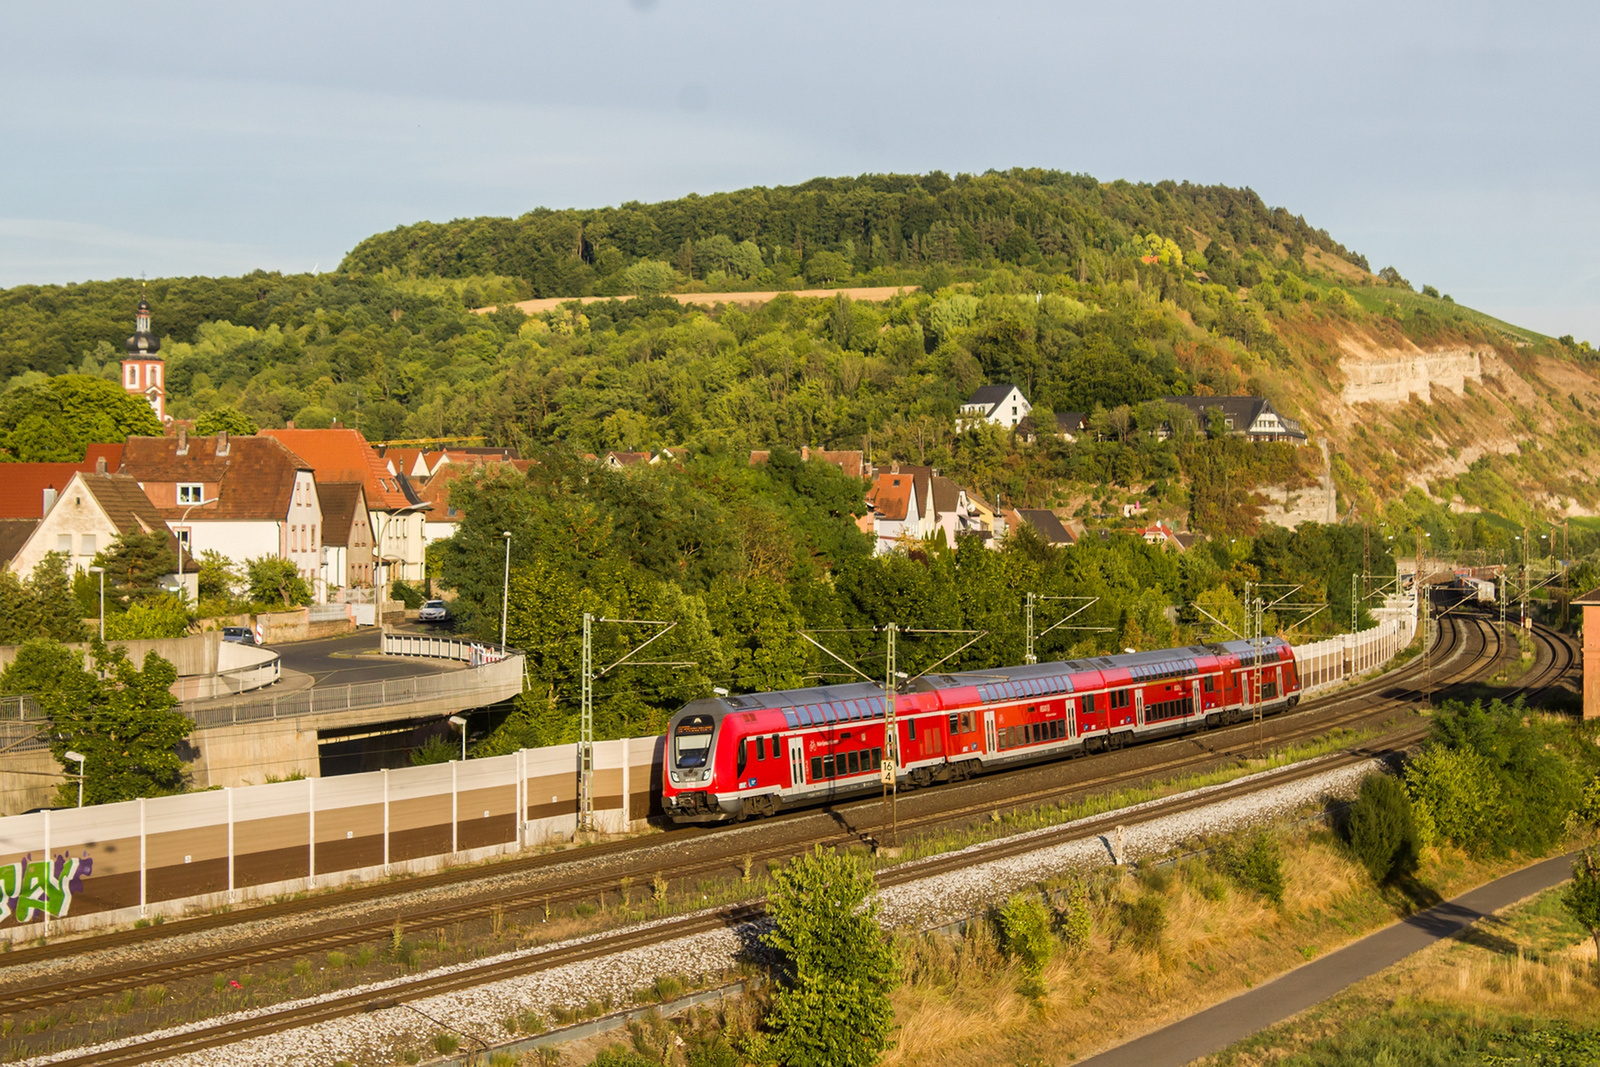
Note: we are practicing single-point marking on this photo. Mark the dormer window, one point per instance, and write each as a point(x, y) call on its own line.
point(190, 493)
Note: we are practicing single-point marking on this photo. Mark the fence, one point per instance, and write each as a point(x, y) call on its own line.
point(240, 669)
point(117, 862)
point(1337, 659)
point(487, 684)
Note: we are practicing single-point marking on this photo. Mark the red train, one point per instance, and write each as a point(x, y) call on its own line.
point(736, 757)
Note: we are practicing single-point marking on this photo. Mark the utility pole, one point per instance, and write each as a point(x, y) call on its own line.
point(586, 731)
point(1030, 656)
point(889, 772)
point(586, 712)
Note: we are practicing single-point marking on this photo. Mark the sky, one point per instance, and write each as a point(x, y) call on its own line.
point(1456, 142)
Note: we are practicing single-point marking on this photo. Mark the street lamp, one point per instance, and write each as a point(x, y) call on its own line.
point(76, 757)
point(461, 724)
point(101, 571)
point(505, 592)
point(183, 521)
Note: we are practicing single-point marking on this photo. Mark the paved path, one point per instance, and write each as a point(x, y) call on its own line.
point(340, 660)
point(1234, 1020)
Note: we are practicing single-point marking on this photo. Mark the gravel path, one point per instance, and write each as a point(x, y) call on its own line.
point(379, 1037)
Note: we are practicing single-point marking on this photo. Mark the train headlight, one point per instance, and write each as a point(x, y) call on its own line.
point(674, 776)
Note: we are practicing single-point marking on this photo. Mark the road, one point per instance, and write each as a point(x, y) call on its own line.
point(1234, 1020)
point(339, 660)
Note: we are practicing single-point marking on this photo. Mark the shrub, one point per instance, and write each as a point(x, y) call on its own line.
point(1455, 795)
point(1256, 865)
point(410, 595)
point(444, 1044)
point(1144, 919)
point(436, 749)
point(836, 965)
point(1025, 935)
point(1381, 831)
point(1074, 922)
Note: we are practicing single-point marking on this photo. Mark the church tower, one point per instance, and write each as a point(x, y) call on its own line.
point(142, 368)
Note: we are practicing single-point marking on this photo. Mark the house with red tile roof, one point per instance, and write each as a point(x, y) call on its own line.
point(395, 509)
point(92, 510)
point(901, 500)
point(244, 497)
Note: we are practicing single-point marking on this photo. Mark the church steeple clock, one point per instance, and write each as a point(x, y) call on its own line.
point(143, 371)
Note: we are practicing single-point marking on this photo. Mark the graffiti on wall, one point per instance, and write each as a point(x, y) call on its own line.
point(32, 889)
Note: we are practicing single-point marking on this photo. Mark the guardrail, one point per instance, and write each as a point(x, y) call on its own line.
point(20, 707)
point(474, 652)
point(485, 685)
point(260, 668)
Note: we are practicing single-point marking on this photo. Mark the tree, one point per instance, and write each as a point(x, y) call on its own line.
point(123, 719)
point(164, 615)
point(831, 1007)
point(230, 419)
point(218, 576)
point(42, 606)
point(270, 578)
point(56, 420)
point(135, 563)
point(1582, 897)
point(651, 277)
point(1381, 830)
point(827, 267)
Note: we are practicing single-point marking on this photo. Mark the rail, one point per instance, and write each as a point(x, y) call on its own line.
point(1322, 664)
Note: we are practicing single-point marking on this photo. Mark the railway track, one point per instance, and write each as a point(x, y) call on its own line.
point(1464, 650)
point(1555, 655)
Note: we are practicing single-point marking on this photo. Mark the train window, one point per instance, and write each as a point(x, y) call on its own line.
point(853, 762)
point(1209, 684)
point(966, 722)
point(738, 763)
point(816, 768)
point(760, 746)
point(692, 740)
point(774, 746)
point(911, 724)
point(1088, 703)
point(827, 766)
point(877, 758)
point(954, 720)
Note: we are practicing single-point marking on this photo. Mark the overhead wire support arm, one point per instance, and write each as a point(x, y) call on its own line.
point(586, 704)
point(1030, 656)
point(851, 666)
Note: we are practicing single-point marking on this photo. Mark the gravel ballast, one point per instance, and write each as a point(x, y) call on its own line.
point(381, 1036)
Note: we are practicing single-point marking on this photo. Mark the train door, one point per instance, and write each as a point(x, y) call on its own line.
point(797, 761)
point(1138, 706)
point(1072, 717)
point(989, 739)
point(1196, 694)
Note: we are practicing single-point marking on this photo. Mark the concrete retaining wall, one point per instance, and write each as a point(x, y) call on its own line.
point(171, 855)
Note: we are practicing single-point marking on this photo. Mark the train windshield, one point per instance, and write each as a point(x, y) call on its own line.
point(691, 741)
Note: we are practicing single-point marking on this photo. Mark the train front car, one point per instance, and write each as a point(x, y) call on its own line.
point(729, 758)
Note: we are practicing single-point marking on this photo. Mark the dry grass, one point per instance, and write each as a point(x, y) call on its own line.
point(962, 1002)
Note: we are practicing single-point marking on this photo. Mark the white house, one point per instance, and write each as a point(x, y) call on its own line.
point(901, 499)
point(244, 497)
point(1003, 405)
point(86, 516)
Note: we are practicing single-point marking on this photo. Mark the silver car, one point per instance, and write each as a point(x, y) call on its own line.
point(433, 611)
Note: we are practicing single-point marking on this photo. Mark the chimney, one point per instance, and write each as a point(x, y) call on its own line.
point(289, 425)
point(49, 499)
point(183, 441)
point(222, 442)
point(336, 425)
point(100, 464)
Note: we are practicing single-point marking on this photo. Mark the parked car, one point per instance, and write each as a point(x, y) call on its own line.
point(433, 611)
point(242, 635)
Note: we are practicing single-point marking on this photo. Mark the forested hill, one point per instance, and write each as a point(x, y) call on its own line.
point(829, 228)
